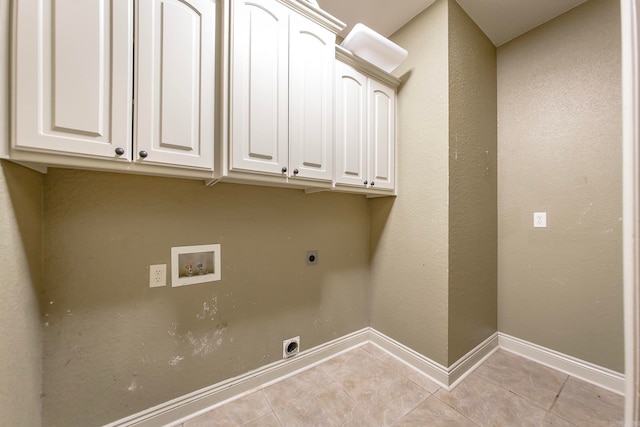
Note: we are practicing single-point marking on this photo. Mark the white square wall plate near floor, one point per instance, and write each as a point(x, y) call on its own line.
point(365, 43)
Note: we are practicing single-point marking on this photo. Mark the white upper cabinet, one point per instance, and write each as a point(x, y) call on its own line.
point(282, 85)
point(72, 77)
point(175, 75)
point(259, 86)
point(382, 135)
point(74, 84)
point(311, 89)
point(365, 130)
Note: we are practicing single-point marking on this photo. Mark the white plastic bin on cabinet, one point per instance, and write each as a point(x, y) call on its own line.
point(365, 43)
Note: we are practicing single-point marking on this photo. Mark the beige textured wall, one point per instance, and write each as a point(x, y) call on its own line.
point(20, 278)
point(20, 272)
point(114, 341)
point(559, 145)
point(472, 185)
point(434, 247)
point(409, 235)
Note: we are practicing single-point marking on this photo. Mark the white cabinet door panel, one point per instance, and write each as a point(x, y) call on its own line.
point(381, 135)
point(351, 126)
point(259, 86)
point(175, 100)
point(311, 85)
point(79, 68)
point(72, 81)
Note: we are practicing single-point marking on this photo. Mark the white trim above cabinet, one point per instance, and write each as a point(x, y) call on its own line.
point(74, 85)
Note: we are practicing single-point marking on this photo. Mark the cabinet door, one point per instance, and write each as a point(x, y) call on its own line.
point(259, 86)
point(351, 126)
point(175, 82)
point(382, 136)
point(72, 76)
point(311, 86)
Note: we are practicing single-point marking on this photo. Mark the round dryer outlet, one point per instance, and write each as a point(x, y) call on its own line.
point(290, 347)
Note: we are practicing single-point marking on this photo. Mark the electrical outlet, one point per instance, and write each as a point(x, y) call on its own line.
point(539, 219)
point(312, 257)
point(157, 275)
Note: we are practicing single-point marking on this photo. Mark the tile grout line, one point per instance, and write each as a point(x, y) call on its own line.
point(558, 394)
point(273, 411)
point(454, 409)
point(558, 397)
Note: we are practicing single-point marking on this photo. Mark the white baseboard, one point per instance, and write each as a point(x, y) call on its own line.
point(435, 371)
point(445, 377)
point(198, 402)
point(464, 366)
point(597, 375)
point(178, 410)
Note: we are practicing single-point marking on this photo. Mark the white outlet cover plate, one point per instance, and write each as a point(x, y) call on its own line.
point(539, 219)
point(157, 275)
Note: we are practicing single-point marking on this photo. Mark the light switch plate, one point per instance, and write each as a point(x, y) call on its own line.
point(539, 219)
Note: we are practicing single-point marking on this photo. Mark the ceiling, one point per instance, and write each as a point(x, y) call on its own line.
point(501, 20)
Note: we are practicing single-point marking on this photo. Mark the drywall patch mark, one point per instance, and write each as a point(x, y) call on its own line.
point(585, 212)
point(173, 330)
point(202, 343)
point(587, 209)
point(209, 309)
point(148, 359)
point(134, 383)
point(318, 322)
point(202, 346)
point(209, 342)
point(175, 361)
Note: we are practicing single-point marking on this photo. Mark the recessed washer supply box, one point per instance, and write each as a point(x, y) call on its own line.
point(365, 43)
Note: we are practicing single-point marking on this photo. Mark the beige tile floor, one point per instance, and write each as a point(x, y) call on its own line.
point(368, 387)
